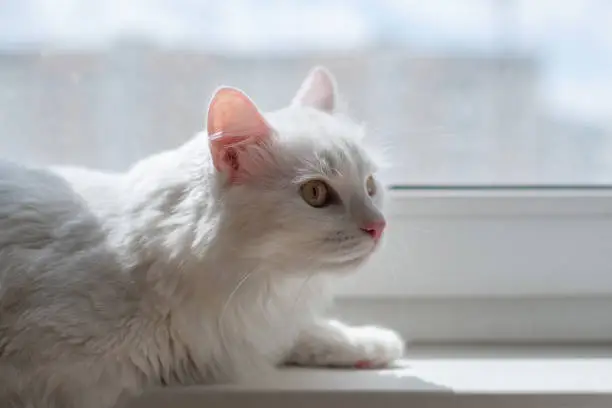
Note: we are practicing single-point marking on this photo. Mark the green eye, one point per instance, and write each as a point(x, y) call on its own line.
point(315, 193)
point(371, 186)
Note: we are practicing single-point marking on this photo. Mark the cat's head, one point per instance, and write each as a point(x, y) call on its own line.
point(297, 185)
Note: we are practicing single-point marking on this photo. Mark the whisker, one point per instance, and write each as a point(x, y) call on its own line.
point(225, 306)
point(299, 294)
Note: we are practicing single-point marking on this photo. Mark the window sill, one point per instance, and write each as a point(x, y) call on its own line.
point(433, 376)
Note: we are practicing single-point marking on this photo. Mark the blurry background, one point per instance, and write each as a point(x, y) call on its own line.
point(459, 92)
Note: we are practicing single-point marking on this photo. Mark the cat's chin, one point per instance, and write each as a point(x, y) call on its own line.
point(345, 266)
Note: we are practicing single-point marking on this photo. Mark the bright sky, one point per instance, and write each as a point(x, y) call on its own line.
point(572, 38)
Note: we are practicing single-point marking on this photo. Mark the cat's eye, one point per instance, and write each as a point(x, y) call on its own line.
point(316, 193)
point(371, 186)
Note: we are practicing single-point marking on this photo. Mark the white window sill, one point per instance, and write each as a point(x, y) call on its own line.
point(440, 376)
point(490, 264)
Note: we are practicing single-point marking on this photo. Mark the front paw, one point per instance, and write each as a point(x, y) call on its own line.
point(369, 347)
point(357, 347)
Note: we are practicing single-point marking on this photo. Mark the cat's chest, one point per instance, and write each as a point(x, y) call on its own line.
point(252, 327)
point(271, 324)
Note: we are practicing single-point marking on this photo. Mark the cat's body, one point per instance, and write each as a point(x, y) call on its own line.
point(182, 270)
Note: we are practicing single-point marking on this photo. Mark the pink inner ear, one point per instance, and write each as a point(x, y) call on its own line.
point(233, 121)
point(318, 91)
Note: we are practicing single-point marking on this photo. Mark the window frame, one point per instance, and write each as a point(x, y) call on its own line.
point(543, 273)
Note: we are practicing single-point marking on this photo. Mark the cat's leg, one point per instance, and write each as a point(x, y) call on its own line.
point(332, 343)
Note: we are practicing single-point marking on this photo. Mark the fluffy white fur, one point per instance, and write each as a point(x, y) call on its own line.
point(177, 272)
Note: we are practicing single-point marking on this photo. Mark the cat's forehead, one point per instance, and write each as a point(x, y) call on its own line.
point(322, 143)
point(343, 158)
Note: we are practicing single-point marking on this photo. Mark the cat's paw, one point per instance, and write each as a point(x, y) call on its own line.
point(368, 347)
point(356, 347)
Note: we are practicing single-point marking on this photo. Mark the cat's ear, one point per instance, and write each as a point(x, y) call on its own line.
point(234, 126)
point(318, 91)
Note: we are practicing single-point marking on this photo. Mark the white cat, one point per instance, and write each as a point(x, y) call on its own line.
point(202, 264)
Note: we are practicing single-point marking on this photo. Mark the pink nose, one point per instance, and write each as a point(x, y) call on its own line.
point(374, 229)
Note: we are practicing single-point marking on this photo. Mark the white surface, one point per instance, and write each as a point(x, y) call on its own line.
point(432, 376)
point(448, 243)
point(307, 379)
point(499, 369)
point(466, 369)
point(513, 369)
